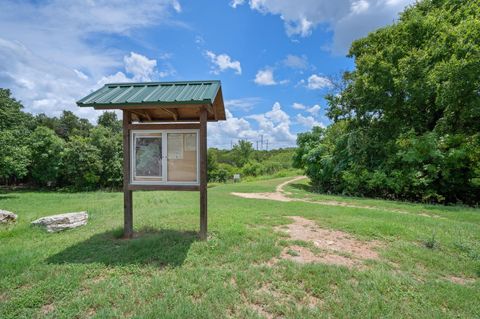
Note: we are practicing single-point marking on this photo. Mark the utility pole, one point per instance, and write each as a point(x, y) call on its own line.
point(231, 144)
point(257, 145)
point(267, 145)
point(261, 139)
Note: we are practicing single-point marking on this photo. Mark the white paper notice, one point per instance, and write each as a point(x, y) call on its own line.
point(175, 146)
point(190, 142)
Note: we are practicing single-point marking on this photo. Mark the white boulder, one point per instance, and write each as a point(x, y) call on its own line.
point(55, 223)
point(7, 217)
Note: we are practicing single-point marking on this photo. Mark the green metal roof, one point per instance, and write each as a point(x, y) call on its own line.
point(162, 93)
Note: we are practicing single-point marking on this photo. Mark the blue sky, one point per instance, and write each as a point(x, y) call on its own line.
point(275, 58)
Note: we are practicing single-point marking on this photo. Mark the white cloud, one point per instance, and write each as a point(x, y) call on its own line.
point(176, 6)
point(140, 66)
point(80, 74)
point(265, 77)
point(298, 106)
point(314, 110)
point(235, 3)
point(48, 55)
point(199, 40)
point(296, 62)
point(317, 82)
point(307, 121)
point(223, 62)
point(348, 19)
point(221, 134)
point(243, 104)
point(274, 125)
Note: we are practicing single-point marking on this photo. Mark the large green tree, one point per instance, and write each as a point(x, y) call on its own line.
point(45, 148)
point(407, 118)
point(81, 164)
point(242, 152)
point(15, 127)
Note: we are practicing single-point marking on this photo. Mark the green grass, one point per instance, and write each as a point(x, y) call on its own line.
point(167, 272)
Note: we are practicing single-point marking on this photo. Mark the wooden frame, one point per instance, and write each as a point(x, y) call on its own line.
point(164, 136)
point(129, 187)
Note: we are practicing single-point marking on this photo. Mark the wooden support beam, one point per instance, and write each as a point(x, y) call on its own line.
point(203, 174)
point(173, 112)
point(179, 126)
point(140, 115)
point(127, 193)
point(209, 108)
point(147, 115)
point(170, 187)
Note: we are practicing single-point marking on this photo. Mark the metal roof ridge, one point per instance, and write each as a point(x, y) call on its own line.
point(159, 83)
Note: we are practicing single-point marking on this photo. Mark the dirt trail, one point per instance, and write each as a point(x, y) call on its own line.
point(281, 196)
point(337, 247)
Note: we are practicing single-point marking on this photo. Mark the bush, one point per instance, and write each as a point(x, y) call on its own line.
point(252, 169)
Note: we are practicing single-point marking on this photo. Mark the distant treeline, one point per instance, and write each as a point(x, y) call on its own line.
point(406, 121)
point(243, 159)
point(70, 152)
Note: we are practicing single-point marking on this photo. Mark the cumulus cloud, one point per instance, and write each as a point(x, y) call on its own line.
point(314, 110)
point(140, 66)
point(49, 60)
point(349, 19)
point(266, 77)
point(307, 121)
point(223, 62)
point(298, 106)
point(222, 134)
point(318, 82)
point(235, 3)
point(274, 125)
point(296, 61)
point(243, 104)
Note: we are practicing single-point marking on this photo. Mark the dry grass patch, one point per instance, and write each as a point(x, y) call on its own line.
point(337, 247)
point(460, 280)
point(48, 308)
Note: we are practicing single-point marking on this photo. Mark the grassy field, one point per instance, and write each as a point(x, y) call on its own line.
point(428, 265)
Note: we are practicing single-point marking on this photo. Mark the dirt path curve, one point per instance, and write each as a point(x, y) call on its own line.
point(280, 195)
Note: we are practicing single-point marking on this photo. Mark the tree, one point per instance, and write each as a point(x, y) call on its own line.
point(45, 147)
point(15, 126)
point(11, 114)
point(212, 163)
point(110, 120)
point(69, 124)
point(407, 118)
point(242, 152)
point(109, 145)
point(81, 164)
point(14, 155)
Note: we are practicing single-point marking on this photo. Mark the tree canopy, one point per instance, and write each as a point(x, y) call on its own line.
point(406, 120)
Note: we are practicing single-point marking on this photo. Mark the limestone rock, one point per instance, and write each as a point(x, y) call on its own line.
point(55, 223)
point(7, 217)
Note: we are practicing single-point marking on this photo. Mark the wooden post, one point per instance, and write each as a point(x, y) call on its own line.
point(203, 174)
point(127, 193)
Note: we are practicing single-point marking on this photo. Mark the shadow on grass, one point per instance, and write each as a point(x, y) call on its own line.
point(5, 196)
point(303, 187)
point(160, 248)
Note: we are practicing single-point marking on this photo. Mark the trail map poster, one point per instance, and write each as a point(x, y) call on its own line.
point(148, 156)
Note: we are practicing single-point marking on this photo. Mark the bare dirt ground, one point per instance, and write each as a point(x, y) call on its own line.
point(281, 196)
point(278, 195)
point(334, 247)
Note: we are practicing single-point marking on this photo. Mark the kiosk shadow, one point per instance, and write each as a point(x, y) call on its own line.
point(149, 247)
